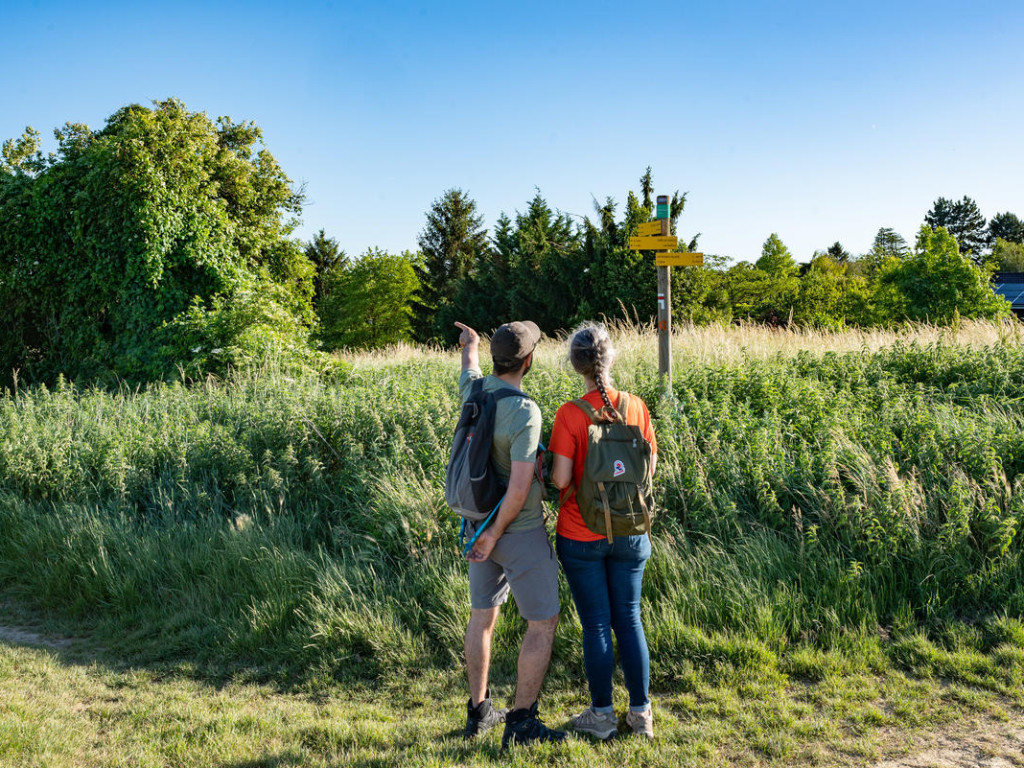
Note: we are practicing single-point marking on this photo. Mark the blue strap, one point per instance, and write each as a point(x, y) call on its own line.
point(480, 529)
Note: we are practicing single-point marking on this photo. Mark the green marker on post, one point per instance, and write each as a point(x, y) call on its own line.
point(662, 207)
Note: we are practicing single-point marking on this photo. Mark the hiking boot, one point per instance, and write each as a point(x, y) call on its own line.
point(523, 726)
point(600, 725)
point(641, 723)
point(481, 718)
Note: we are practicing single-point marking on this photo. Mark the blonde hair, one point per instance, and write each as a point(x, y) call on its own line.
point(591, 354)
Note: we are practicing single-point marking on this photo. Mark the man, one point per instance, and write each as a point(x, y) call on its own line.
point(514, 552)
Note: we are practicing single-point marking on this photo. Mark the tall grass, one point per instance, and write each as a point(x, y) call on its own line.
point(819, 491)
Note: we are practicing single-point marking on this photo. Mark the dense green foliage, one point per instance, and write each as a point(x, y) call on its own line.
point(300, 523)
point(1008, 256)
point(139, 249)
point(369, 303)
point(964, 222)
point(935, 283)
point(545, 266)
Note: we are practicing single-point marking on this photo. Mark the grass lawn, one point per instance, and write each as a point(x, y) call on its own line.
point(68, 703)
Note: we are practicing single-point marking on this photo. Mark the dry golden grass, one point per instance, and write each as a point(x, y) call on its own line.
point(716, 344)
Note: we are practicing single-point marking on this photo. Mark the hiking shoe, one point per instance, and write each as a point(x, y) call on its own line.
point(481, 718)
point(600, 725)
point(641, 723)
point(523, 726)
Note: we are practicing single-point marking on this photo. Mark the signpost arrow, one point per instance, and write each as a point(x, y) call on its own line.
point(659, 243)
point(679, 259)
point(649, 228)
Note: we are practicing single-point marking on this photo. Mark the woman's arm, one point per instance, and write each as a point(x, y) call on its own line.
point(561, 471)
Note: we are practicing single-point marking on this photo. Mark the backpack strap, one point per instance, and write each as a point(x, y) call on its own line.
point(595, 416)
point(566, 493)
point(587, 408)
point(643, 506)
point(607, 511)
point(623, 405)
point(501, 394)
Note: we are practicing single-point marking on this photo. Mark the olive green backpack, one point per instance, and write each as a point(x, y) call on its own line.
point(615, 494)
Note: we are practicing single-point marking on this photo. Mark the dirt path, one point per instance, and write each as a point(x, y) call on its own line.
point(19, 636)
point(985, 745)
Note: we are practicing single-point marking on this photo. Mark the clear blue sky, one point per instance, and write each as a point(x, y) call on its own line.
point(819, 121)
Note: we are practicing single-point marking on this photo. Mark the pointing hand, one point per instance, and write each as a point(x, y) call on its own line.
point(468, 336)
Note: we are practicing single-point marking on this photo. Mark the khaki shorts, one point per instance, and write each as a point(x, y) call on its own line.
point(524, 562)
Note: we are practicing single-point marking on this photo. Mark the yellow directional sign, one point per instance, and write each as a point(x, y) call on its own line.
point(663, 243)
point(679, 259)
point(649, 228)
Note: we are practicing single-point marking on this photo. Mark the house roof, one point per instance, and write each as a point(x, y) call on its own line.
point(1011, 286)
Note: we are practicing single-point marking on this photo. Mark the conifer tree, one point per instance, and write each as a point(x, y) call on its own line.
point(964, 222)
point(1006, 226)
point(451, 243)
point(325, 255)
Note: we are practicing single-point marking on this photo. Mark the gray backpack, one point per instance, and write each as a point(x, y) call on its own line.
point(472, 486)
point(615, 495)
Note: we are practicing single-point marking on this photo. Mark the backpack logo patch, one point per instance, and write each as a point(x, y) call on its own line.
point(618, 468)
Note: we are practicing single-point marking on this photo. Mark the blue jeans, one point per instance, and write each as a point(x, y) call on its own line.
point(605, 580)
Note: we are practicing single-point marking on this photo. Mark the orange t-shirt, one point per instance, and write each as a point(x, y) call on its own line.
point(569, 439)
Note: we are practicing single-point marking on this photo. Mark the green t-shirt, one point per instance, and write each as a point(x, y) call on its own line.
point(517, 428)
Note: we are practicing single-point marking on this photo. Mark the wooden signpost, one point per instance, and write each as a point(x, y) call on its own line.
point(655, 236)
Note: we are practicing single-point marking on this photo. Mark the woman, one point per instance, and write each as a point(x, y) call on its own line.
point(605, 577)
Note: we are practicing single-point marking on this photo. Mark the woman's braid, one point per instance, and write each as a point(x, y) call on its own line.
point(591, 353)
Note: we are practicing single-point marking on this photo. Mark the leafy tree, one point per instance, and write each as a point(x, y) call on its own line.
point(861, 303)
point(325, 255)
point(125, 252)
point(778, 291)
point(22, 155)
point(1006, 226)
point(746, 286)
point(822, 297)
point(1007, 256)
point(776, 260)
point(936, 283)
point(452, 242)
point(369, 304)
point(699, 293)
point(963, 221)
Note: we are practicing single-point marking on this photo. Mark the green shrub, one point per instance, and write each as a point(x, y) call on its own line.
point(138, 249)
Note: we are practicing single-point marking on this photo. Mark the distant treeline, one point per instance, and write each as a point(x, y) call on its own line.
point(162, 245)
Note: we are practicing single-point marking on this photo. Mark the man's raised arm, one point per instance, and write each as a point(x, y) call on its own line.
point(469, 340)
